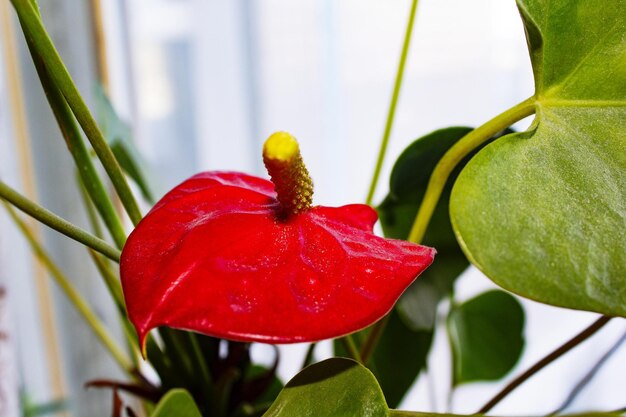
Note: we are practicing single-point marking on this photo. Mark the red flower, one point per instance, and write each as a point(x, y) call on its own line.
point(226, 255)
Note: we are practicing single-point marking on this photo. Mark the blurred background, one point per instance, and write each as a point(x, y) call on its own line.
point(201, 84)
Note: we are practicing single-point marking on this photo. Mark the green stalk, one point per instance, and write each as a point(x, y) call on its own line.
point(111, 281)
point(43, 46)
point(200, 362)
point(309, 356)
point(223, 390)
point(175, 349)
point(197, 353)
point(92, 216)
point(350, 346)
point(57, 223)
point(86, 169)
point(438, 180)
point(392, 106)
point(115, 289)
point(74, 297)
point(367, 348)
point(455, 154)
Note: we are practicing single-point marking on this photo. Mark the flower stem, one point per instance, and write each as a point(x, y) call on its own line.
point(115, 289)
point(367, 348)
point(90, 210)
point(200, 362)
point(74, 297)
point(545, 361)
point(580, 386)
point(438, 179)
point(350, 346)
point(392, 106)
point(309, 356)
point(43, 46)
point(111, 281)
point(455, 154)
point(57, 223)
point(86, 169)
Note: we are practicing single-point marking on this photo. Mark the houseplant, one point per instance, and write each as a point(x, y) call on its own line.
point(537, 183)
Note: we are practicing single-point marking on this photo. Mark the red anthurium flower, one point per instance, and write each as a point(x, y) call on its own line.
point(239, 257)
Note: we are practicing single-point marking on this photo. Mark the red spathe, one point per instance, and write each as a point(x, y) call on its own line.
point(213, 257)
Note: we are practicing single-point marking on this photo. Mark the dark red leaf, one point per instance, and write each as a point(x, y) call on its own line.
point(214, 256)
point(148, 392)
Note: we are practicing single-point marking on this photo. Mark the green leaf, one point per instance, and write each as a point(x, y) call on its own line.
point(176, 402)
point(400, 356)
point(335, 387)
point(409, 178)
point(119, 137)
point(486, 337)
point(543, 213)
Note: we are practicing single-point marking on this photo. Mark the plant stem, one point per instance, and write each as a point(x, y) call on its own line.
point(199, 357)
point(79, 303)
point(57, 223)
point(111, 281)
point(392, 106)
point(438, 180)
point(368, 347)
point(308, 358)
point(455, 154)
point(542, 363)
point(86, 169)
point(200, 362)
point(92, 216)
point(41, 42)
point(589, 376)
point(350, 346)
point(115, 289)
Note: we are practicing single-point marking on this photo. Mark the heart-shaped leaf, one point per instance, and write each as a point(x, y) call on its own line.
point(486, 336)
point(543, 213)
point(214, 256)
point(176, 402)
point(407, 185)
point(335, 387)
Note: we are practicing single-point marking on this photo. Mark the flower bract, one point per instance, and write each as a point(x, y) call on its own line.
point(220, 255)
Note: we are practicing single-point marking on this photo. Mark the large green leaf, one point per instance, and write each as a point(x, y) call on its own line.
point(543, 213)
point(176, 402)
point(486, 337)
point(399, 358)
point(335, 387)
point(340, 387)
point(407, 185)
